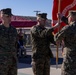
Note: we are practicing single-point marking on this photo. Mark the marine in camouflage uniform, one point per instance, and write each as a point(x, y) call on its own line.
point(8, 56)
point(41, 38)
point(68, 33)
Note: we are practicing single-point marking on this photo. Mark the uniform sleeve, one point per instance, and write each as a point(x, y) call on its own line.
point(33, 30)
point(61, 34)
point(50, 36)
point(14, 31)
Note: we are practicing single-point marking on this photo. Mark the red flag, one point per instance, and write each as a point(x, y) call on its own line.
point(65, 6)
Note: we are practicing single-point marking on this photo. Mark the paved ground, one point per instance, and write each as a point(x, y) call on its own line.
point(26, 69)
point(23, 70)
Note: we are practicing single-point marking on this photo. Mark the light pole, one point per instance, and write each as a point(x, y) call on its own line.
point(37, 12)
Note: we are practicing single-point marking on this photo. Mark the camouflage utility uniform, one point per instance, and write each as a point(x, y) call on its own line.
point(41, 38)
point(8, 59)
point(68, 33)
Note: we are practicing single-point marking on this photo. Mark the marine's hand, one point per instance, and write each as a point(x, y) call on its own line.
point(58, 43)
point(59, 15)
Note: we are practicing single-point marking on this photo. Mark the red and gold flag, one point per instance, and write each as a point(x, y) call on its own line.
point(65, 6)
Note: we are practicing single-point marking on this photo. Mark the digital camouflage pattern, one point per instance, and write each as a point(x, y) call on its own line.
point(41, 39)
point(68, 34)
point(8, 59)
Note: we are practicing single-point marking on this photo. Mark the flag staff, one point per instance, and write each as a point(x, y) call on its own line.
point(58, 31)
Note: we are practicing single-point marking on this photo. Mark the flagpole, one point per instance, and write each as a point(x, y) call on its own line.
point(58, 31)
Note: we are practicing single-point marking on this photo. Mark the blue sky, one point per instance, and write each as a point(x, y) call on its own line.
point(27, 7)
